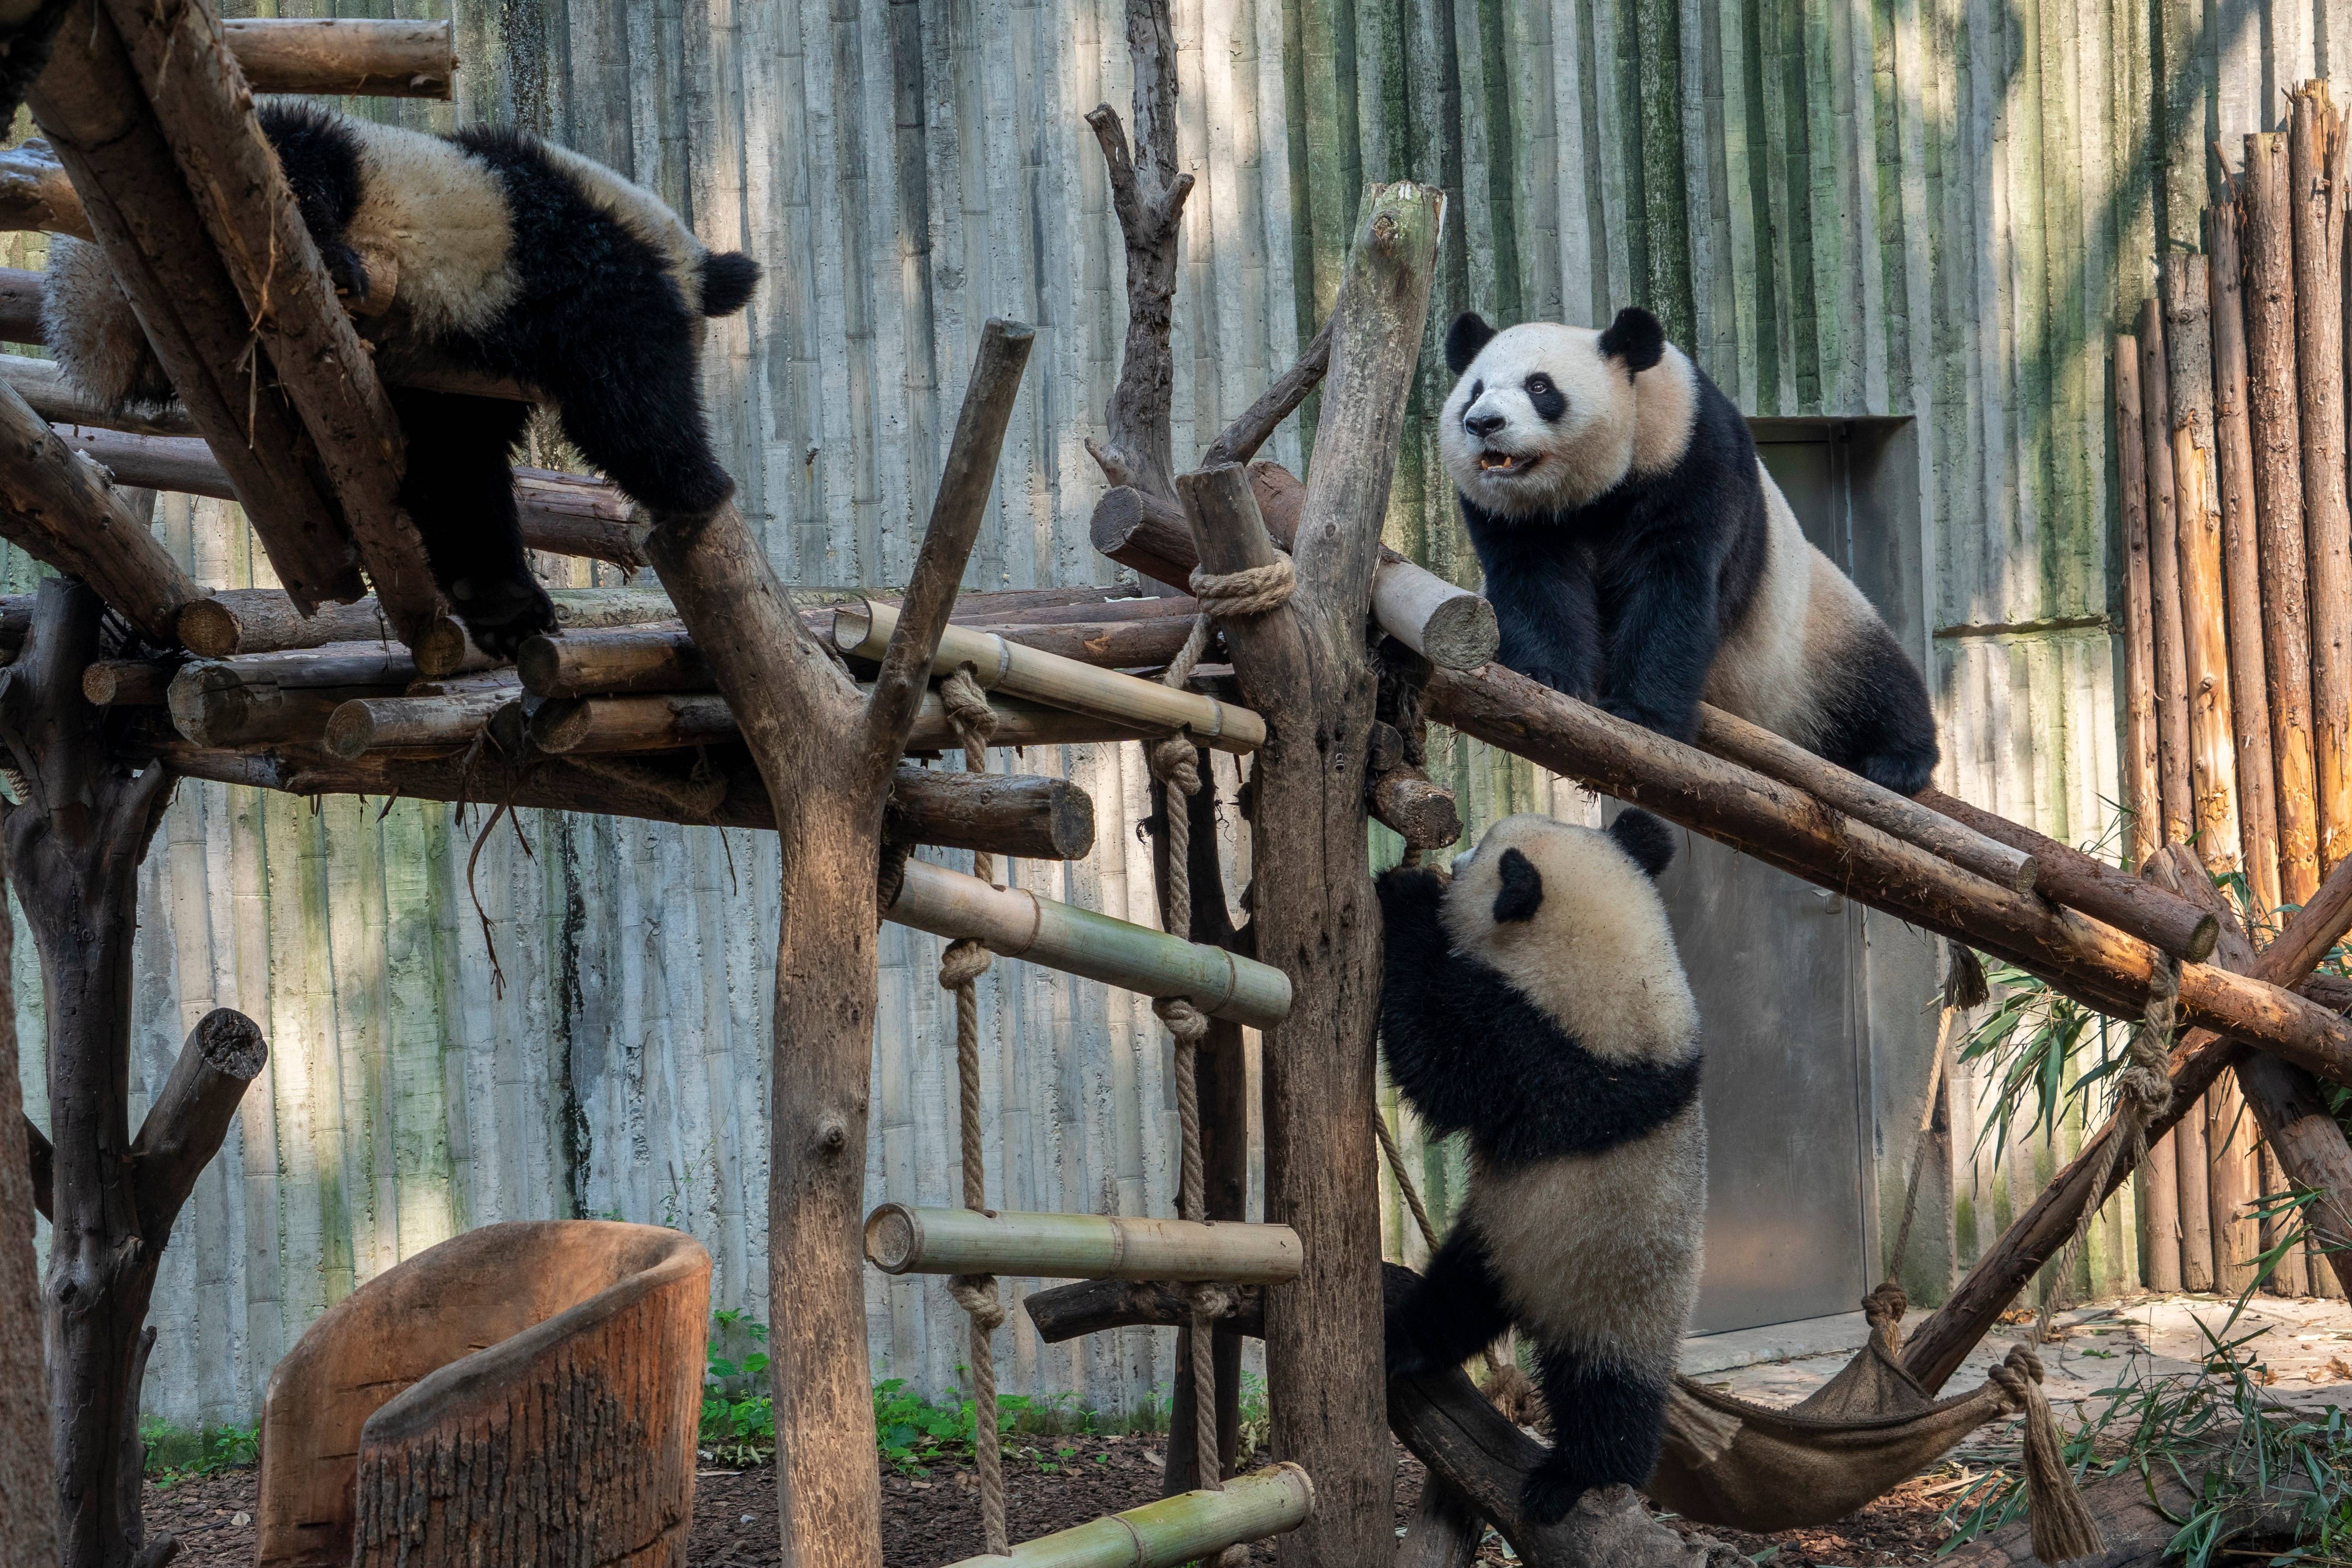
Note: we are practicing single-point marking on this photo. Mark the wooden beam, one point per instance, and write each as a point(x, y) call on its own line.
point(95, 113)
point(903, 1240)
point(341, 57)
point(2104, 967)
point(60, 508)
point(1098, 1306)
point(204, 109)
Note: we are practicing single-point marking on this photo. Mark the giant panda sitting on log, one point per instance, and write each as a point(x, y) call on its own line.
point(499, 254)
point(1638, 555)
point(1537, 1004)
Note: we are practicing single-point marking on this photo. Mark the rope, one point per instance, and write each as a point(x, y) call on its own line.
point(960, 967)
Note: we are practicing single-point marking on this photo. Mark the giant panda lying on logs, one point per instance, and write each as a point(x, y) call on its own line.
point(1638, 556)
point(494, 252)
point(1537, 1004)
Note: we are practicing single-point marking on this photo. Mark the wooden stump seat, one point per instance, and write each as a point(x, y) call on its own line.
point(524, 1393)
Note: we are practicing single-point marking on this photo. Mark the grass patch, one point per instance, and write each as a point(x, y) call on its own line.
point(176, 1454)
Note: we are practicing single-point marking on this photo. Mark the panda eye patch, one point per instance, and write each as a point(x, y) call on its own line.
point(1548, 401)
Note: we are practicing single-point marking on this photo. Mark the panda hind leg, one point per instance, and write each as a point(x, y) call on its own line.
point(459, 491)
point(636, 414)
point(1881, 723)
point(1453, 1313)
point(1607, 1422)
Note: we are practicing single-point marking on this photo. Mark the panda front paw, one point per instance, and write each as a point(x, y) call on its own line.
point(503, 616)
point(1549, 1493)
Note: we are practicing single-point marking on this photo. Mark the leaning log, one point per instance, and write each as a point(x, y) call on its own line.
point(2139, 774)
point(2104, 967)
point(58, 508)
point(2172, 742)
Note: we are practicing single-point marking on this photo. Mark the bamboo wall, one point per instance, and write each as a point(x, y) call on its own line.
point(1937, 209)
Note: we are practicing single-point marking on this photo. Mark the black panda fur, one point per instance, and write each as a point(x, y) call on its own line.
point(1638, 555)
point(1535, 1003)
point(510, 256)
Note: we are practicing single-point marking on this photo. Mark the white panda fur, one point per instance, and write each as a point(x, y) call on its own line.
point(1639, 555)
point(1537, 1003)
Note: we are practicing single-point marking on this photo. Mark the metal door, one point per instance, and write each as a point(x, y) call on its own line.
point(1773, 961)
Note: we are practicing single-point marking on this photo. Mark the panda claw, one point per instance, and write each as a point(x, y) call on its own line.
point(507, 618)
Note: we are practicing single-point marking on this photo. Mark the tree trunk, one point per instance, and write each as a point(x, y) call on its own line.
point(2315, 161)
point(29, 1531)
point(2164, 580)
point(2139, 624)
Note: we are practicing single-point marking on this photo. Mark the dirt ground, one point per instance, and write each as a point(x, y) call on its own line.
point(937, 1521)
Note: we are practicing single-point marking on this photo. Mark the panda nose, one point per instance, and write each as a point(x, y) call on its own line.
point(1482, 424)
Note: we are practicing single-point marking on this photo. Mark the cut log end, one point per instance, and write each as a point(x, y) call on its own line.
point(209, 629)
point(440, 646)
point(1461, 633)
point(893, 1241)
point(350, 731)
point(232, 1044)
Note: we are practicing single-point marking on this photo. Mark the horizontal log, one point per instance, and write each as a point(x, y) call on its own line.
point(904, 1240)
point(565, 514)
point(127, 682)
point(1415, 807)
point(665, 722)
point(440, 721)
point(40, 383)
point(1019, 671)
point(2064, 874)
point(263, 620)
point(20, 304)
point(2105, 968)
point(1098, 1306)
point(210, 706)
point(1014, 922)
point(366, 58)
point(1450, 627)
point(1751, 745)
point(1010, 814)
point(36, 197)
point(1179, 1529)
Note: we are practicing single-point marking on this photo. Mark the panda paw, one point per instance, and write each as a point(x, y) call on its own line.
point(503, 616)
point(1549, 1494)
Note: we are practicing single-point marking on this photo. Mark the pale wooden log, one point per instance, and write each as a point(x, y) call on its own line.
point(1181, 1529)
point(504, 1362)
point(1935, 1349)
point(89, 103)
point(2315, 153)
point(2139, 1514)
point(1105, 694)
point(2139, 761)
point(58, 508)
point(447, 718)
point(1445, 624)
point(904, 1240)
point(1735, 739)
point(127, 682)
point(2104, 967)
point(2273, 422)
point(2241, 567)
point(1013, 923)
point(1097, 1306)
point(355, 57)
point(204, 109)
point(37, 197)
point(232, 621)
point(2172, 742)
point(1305, 666)
point(2064, 874)
point(827, 762)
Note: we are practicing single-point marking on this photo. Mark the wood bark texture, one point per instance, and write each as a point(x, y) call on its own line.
point(28, 1530)
point(365, 57)
point(2140, 623)
point(2171, 667)
point(2315, 157)
point(1314, 910)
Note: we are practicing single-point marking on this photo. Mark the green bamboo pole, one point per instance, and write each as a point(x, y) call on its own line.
point(1174, 1530)
point(903, 1240)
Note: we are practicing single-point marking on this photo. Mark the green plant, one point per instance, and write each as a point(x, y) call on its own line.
point(176, 1455)
point(739, 1413)
point(913, 1433)
point(1257, 1422)
point(2030, 1039)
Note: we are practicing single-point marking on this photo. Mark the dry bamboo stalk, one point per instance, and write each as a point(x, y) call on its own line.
point(2273, 421)
point(2241, 569)
point(998, 665)
point(1751, 745)
point(1191, 1525)
point(904, 1240)
point(2315, 161)
point(2139, 627)
point(444, 720)
point(1013, 923)
point(2164, 582)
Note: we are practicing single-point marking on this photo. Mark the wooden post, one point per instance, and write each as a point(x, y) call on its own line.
point(2316, 163)
point(2274, 424)
point(2197, 511)
point(2139, 624)
point(29, 1531)
point(1303, 666)
point(74, 848)
point(828, 760)
point(2241, 567)
point(2172, 743)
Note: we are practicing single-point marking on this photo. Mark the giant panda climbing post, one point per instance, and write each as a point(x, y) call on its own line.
point(1303, 666)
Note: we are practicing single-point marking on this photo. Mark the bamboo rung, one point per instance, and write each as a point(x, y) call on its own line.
point(1174, 1530)
point(1017, 923)
point(1042, 677)
point(903, 1240)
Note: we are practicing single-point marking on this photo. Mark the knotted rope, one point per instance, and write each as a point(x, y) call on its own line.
point(960, 967)
point(1175, 762)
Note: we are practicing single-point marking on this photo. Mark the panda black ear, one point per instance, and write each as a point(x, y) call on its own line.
point(1465, 338)
point(1649, 842)
point(1522, 892)
point(1636, 338)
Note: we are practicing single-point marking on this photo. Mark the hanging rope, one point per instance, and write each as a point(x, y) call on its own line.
point(960, 967)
